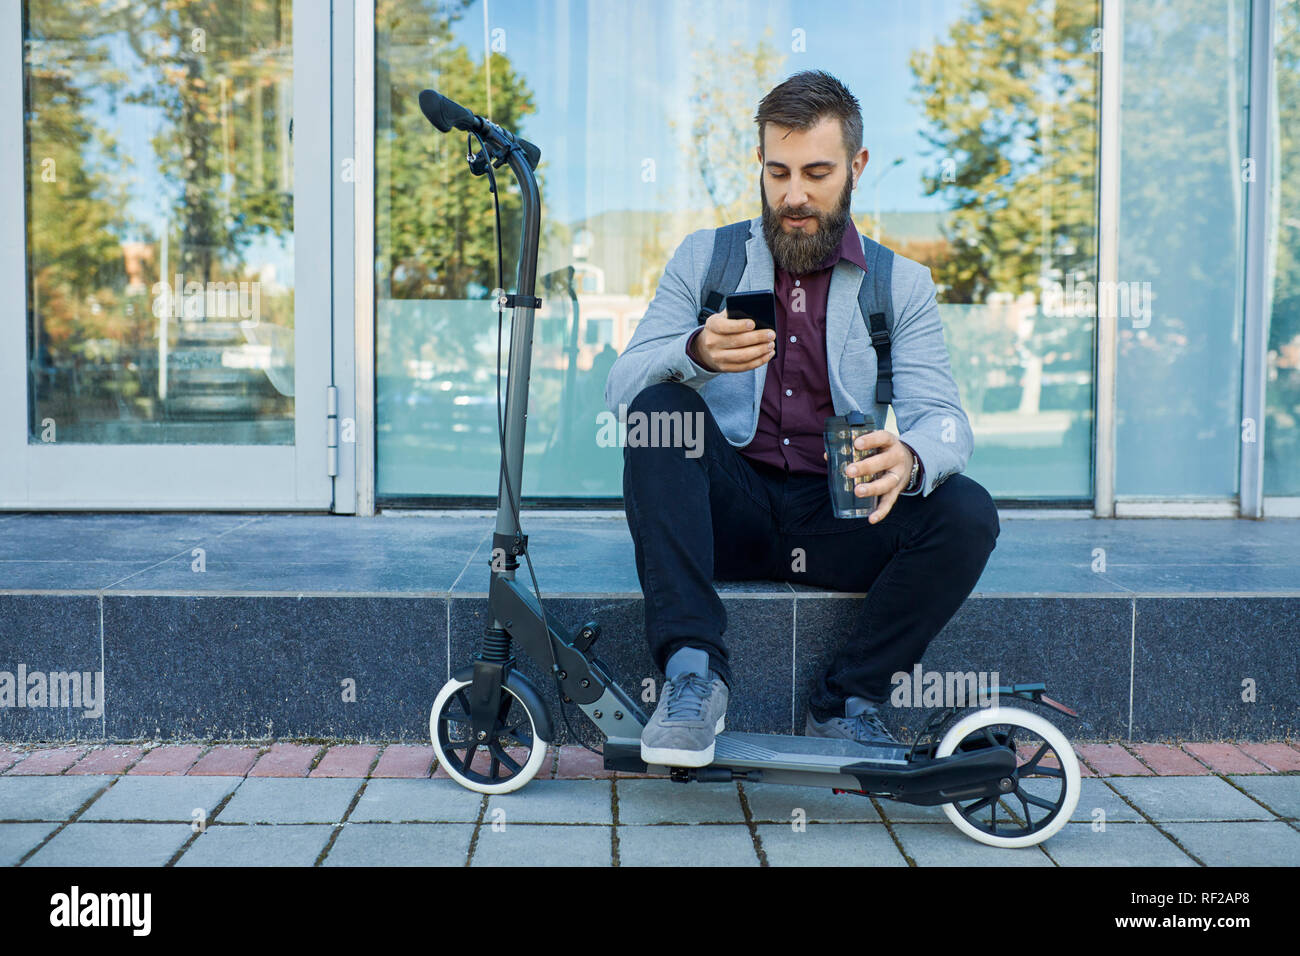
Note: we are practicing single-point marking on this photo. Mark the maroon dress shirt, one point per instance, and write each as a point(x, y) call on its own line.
point(797, 392)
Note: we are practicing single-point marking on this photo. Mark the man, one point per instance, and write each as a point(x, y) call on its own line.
point(758, 492)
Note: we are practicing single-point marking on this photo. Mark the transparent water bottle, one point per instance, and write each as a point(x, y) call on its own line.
point(839, 434)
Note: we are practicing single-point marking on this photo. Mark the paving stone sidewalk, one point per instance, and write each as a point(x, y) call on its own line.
point(294, 804)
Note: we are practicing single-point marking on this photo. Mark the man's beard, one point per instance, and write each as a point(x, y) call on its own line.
point(798, 252)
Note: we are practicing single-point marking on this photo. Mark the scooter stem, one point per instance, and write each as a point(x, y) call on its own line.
point(521, 349)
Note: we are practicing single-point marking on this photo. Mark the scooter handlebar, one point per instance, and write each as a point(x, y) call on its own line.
point(446, 114)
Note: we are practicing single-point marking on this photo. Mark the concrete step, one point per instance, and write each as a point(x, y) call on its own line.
point(240, 626)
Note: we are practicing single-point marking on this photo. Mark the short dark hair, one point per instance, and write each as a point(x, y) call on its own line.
point(804, 99)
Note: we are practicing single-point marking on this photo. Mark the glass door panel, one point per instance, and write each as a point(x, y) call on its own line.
point(160, 222)
point(162, 202)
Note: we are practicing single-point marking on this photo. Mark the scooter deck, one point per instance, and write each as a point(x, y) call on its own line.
point(786, 752)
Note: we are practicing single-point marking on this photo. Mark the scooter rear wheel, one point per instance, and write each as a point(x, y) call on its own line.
point(485, 766)
point(1046, 782)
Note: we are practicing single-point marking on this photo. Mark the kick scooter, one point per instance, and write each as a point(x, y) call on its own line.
point(1004, 775)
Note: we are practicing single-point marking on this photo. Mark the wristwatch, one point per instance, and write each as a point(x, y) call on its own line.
point(916, 467)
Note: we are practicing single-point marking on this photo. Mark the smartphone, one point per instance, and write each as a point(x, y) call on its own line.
point(759, 306)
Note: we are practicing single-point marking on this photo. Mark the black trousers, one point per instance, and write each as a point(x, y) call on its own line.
point(717, 515)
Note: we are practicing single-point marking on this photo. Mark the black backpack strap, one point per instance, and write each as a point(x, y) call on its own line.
point(876, 303)
point(725, 268)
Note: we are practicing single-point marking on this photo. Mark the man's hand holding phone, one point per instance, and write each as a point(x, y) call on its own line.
point(727, 344)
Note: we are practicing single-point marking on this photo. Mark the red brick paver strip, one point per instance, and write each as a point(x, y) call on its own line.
point(571, 762)
point(110, 759)
point(1224, 758)
point(53, 761)
point(1111, 760)
point(1084, 769)
point(547, 769)
point(171, 760)
point(1168, 760)
point(578, 763)
point(225, 762)
point(285, 760)
point(348, 760)
point(1276, 756)
point(404, 760)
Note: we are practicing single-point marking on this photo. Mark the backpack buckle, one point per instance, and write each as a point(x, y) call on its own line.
point(878, 329)
point(712, 305)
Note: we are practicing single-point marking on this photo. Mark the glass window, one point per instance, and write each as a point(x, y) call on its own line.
point(599, 331)
point(159, 202)
point(983, 141)
point(1008, 98)
point(1282, 395)
point(1182, 213)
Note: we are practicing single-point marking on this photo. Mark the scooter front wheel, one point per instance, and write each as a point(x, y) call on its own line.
point(505, 760)
point(1045, 782)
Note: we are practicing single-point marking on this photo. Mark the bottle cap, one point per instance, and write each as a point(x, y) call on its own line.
point(853, 419)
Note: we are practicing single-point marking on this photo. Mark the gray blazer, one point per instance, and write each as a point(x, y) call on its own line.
point(926, 405)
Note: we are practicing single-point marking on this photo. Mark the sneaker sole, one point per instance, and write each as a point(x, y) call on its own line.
point(671, 757)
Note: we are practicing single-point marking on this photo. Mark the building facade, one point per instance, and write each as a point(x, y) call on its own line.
point(245, 272)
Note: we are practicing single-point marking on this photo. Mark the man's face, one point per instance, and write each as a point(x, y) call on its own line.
point(806, 186)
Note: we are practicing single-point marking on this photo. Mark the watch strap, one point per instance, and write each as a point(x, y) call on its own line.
point(916, 467)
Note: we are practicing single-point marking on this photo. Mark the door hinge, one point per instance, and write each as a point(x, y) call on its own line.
point(332, 431)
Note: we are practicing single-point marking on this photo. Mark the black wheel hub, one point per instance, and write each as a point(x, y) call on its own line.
point(511, 728)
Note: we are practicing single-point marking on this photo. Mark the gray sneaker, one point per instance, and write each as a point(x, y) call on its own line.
point(861, 722)
point(691, 712)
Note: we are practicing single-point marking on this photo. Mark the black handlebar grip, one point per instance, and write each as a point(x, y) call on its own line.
point(442, 112)
point(446, 114)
